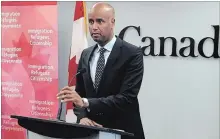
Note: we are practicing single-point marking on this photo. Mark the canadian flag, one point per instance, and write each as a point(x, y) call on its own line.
point(79, 42)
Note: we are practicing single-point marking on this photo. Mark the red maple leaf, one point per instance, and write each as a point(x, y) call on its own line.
point(26, 53)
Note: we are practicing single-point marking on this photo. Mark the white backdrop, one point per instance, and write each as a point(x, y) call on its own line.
point(179, 97)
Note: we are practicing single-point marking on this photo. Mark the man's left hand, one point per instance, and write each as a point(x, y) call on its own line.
point(67, 94)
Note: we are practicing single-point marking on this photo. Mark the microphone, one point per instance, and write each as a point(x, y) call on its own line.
point(81, 71)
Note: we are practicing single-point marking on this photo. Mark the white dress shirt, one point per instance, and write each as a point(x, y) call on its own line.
point(95, 57)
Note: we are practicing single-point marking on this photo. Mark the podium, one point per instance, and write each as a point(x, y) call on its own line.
point(54, 129)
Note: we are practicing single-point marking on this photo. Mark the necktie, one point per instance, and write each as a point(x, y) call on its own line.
point(99, 68)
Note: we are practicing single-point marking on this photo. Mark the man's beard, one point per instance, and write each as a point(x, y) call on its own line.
point(102, 41)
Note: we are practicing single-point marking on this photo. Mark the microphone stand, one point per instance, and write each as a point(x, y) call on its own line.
point(61, 103)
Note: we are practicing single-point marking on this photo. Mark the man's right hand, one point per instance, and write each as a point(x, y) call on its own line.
point(87, 121)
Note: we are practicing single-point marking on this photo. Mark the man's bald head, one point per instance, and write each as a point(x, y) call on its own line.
point(101, 22)
point(104, 7)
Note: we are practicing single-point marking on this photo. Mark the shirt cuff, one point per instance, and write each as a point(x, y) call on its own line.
point(86, 104)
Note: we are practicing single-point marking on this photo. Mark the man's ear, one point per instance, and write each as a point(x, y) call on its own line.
point(113, 20)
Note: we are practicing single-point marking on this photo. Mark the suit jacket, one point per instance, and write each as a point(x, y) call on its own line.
point(115, 104)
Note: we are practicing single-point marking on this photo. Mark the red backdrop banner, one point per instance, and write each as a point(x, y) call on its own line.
point(29, 63)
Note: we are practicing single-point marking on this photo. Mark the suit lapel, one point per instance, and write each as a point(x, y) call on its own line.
point(88, 76)
point(114, 55)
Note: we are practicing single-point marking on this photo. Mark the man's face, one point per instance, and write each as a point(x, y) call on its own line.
point(100, 26)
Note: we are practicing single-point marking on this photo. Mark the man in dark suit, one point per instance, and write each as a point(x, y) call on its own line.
point(106, 95)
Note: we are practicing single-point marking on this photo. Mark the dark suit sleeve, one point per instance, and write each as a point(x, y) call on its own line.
point(128, 92)
point(80, 89)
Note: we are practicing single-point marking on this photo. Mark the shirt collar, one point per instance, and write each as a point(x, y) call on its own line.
point(109, 45)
